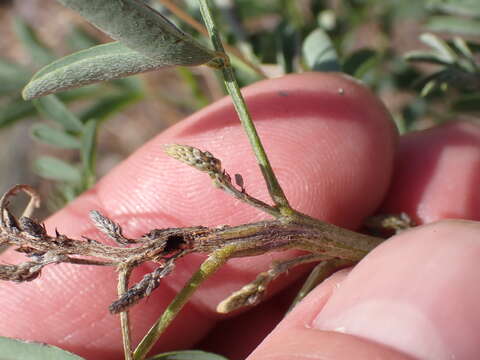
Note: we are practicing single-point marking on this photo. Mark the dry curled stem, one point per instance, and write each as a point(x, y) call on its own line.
point(324, 242)
point(166, 246)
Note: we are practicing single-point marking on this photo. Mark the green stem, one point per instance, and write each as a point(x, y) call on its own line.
point(208, 267)
point(233, 89)
point(123, 276)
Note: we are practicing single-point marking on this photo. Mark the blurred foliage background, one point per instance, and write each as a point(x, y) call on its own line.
point(420, 57)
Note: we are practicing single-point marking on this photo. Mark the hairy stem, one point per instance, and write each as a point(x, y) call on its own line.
point(208, 267)
point(233, 89)
point(123, 276)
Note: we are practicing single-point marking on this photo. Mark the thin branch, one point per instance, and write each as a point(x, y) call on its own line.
point(123, 277)
point(201, 29)
point(208, 268)
point(233, 89)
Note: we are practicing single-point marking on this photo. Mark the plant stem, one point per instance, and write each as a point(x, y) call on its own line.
point(233, 89)
point(123, 276)
point(170, 5)
point(208, 267)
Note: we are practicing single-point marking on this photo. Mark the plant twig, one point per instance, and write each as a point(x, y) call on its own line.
point(197, 26)
point(233, 89)
point(123, 277)
point(208, 268)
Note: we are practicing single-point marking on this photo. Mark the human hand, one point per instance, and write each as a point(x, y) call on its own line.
point(333, 153)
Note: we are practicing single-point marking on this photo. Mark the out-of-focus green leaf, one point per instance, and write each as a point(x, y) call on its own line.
point(462, 46)
point(15, 110)
point(56, 169)
point(109, 105)
point(52, 108)
point(13, 349)
point(429, 87)
point(454, 25)
point(78, 39)
point(457, 7)
point(39, 53)
point(359, 62)
point(12, 77)
point(444, 51)
point(467, 103)
point(87, 151)
point(187, 355)
point(425, 56)
point(319, 53)
point(54, 137)
point(288, 44)
point(143, 29)
point(99, 63)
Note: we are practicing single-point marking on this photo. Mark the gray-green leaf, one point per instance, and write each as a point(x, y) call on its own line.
point(56, 169)
point(13, 349)
point(99, 63)
point(52, 108)
point(39, 53)
point(319, 53)
point(88, 153)
point(54, 137)
point(187, 355)
point(454, 25)
point(12, 77)
point(142, 29)
point(444, 51)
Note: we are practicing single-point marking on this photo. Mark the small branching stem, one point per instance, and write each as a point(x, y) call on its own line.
point(214, 261)
point(123, 277)
point(233, 90)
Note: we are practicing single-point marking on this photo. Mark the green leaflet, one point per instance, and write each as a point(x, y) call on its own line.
point(142, 29)
point(98, 63)
point(56, 169)
point(54, 137)
point(319, 52)
point(188, 355)
point(13, 349)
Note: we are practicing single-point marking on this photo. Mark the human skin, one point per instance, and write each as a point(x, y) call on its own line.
point(334, 153)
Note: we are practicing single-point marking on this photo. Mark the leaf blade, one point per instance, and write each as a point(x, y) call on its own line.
point(54, 137)
point(188, 355)
point(52, 108)
point(319, 53)
point(142, 29)
point(99, 63)
point(13, 349)
point(56, 169)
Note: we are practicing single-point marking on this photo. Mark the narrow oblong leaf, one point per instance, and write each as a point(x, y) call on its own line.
point(319, 53)
point(99, 63)
point(455, 25)
point(426, 56)
point(110, 105)
point(87, 151)
point(56, 169)
point(54, 137)
point(12, 77)
point(13, 349)
point(52, 108)
point(142, 29)
point(444, 51)
point(39, 53)
point(15, 110)
point(188, 355)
